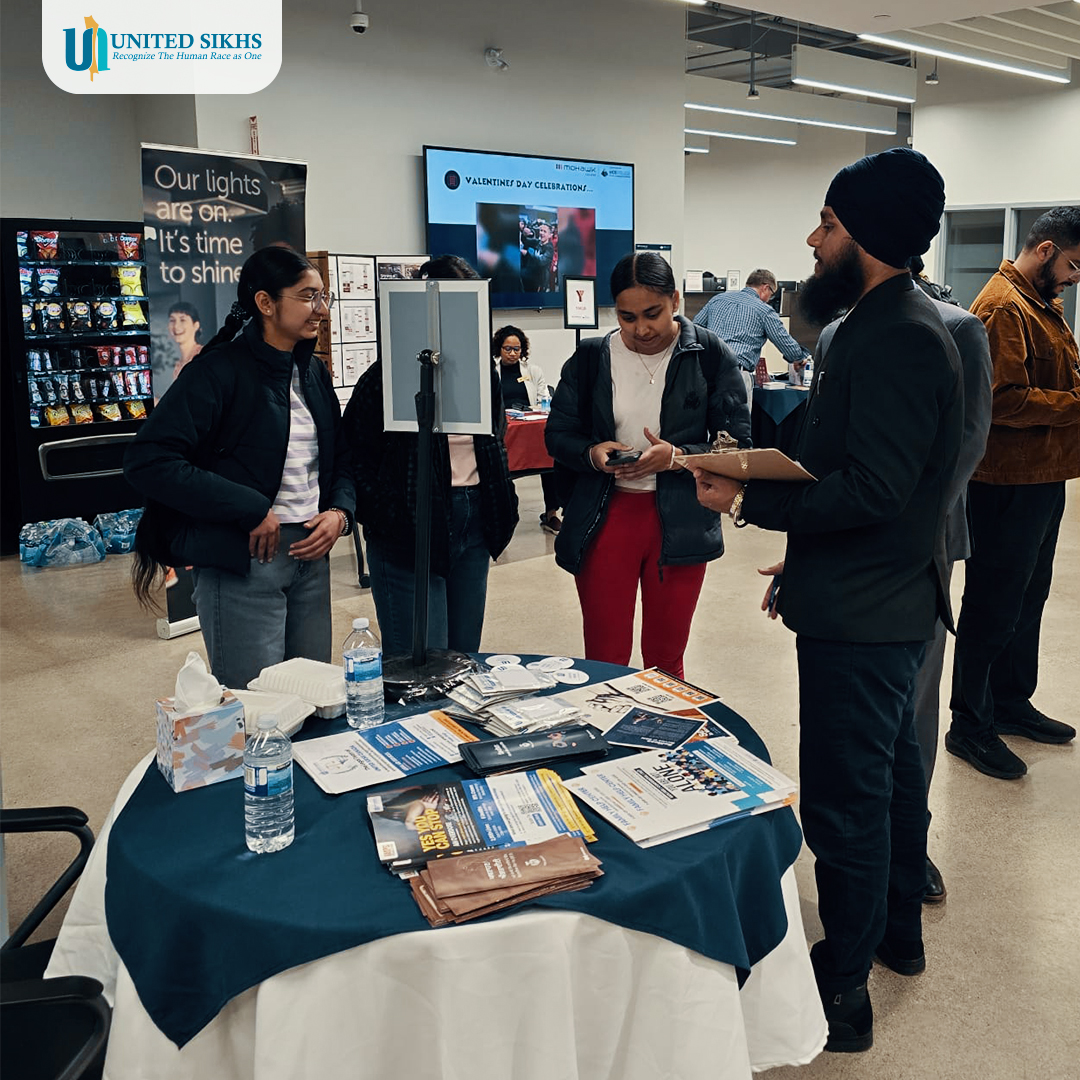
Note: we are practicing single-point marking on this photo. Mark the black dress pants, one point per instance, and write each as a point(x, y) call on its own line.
point(862, 800)
point(1014, 531)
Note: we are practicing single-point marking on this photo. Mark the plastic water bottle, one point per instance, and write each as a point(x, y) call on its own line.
point(545, 401)
point(268, 788)
point(362, 654)
point(808, 371)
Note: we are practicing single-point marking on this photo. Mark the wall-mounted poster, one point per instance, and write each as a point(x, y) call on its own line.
point(355, 278)
point(399, 267)
point(355, 360)
point(357, 320)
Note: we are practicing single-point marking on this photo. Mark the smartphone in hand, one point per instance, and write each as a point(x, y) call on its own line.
point(623, 457)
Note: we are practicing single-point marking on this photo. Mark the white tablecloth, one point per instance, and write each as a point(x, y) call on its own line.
point(542, 995)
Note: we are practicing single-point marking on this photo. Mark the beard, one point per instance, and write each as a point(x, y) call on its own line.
point(827, 295)
point(1046, 283)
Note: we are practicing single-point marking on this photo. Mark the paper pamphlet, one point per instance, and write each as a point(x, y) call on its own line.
point(415, 824)
point(358, 759)
point(662, 795)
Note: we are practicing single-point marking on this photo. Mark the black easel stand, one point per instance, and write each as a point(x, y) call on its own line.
point(427, 672)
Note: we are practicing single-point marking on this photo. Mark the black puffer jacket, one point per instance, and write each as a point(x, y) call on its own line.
point(213, 502)
point(385, 473)
point(694, 407)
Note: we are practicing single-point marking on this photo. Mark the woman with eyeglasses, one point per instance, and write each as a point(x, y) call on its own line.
point(245, 471)
point(523, 387)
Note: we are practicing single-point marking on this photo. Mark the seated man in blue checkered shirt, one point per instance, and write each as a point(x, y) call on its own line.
point(744, 320)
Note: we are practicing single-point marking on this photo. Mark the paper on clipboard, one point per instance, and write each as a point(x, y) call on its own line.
point(764, 464)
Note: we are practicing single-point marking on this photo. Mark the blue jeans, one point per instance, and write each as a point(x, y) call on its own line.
point(455, 602)
point(862, 800)
point(280, 610)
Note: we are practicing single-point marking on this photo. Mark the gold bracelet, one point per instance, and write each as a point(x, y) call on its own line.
point(736, 508)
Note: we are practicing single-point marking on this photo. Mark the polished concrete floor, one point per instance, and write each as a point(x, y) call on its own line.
point(80, 667)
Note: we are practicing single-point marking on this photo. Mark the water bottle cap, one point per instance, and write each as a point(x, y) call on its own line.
point(267, 722)
point(360, 624)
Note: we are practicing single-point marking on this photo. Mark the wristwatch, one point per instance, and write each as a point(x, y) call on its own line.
point(346, 521)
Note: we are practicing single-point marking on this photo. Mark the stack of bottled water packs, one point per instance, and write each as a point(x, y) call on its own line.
point(118, 530)
point(64, 542)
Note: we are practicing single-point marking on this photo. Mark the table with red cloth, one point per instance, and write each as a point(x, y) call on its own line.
point(525, 449)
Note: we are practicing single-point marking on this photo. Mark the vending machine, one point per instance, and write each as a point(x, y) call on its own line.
point(75, 382)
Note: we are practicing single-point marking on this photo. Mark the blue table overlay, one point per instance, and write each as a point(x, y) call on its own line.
point(198, 919)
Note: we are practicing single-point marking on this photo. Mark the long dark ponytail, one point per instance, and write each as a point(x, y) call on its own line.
point(271, 270)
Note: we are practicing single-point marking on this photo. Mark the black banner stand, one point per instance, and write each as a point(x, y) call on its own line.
point(428, 672)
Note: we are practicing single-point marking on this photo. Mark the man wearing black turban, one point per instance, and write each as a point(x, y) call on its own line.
point(864, 577)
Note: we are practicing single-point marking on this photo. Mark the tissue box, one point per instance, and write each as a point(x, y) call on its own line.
point(202, 748)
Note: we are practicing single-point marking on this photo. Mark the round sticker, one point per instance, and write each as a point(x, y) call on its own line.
point(555, 663)
point(503, 667)
point(506, 659)
point(535, 665)
point(570, 675)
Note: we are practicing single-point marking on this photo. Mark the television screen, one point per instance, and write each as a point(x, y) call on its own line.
point(527, 222)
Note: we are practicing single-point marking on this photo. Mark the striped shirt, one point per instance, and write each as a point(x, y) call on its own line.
point(744, 321)
point(298, 497)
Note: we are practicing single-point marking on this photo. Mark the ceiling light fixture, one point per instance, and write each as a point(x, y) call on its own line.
point(853, 89)
point(847, 74)
point(737, 135)
point(790, 119)
point(695, 149)
point(1011, 69)
point(932, 79)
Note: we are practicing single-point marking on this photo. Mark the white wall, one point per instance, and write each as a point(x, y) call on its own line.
point(62, 155)
point(1000, 139)
point(753, 205)
point(598, 80)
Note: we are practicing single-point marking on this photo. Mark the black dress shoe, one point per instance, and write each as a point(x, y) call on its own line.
point(851, 1021)
point(989, 755)
point(1032, 724)
point(903, 957)
point(935, 887)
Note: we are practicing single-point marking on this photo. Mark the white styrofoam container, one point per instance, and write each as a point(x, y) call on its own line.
point(319, 684)
point(291, 711)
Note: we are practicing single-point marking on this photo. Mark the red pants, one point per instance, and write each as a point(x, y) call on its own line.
point(627, 551)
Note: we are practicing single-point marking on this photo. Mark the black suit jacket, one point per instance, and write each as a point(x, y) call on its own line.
point(882, 433)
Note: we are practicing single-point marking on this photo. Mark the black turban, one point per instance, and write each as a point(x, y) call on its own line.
point(891, 203)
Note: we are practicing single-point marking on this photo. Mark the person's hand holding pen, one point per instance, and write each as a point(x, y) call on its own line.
point(772, 593)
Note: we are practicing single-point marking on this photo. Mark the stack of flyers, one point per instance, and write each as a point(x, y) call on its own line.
point(527, 714)
point(486, 688)
point(662, 795)
point(605, 704)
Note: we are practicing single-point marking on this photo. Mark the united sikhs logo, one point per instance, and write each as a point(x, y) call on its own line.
point(95, 48)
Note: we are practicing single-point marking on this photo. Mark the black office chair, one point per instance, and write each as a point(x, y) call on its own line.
point(50, 1029)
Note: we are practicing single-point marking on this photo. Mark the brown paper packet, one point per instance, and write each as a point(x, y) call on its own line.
point(461, 905)
point(550, 860)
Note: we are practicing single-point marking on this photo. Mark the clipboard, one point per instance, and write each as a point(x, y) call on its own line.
point(764, 464)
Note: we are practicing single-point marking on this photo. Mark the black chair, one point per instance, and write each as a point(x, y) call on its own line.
point(50, 1029)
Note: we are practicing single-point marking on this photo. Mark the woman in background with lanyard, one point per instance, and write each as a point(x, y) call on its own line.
point(625, 406)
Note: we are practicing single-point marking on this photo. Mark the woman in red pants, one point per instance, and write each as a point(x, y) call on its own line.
point(657, 387)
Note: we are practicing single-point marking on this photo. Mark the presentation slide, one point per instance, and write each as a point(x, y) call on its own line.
point(526, 223)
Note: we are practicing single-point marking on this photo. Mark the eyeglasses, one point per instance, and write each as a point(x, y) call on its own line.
point(1074, 269)
point(511, 348)
point(314, 298)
